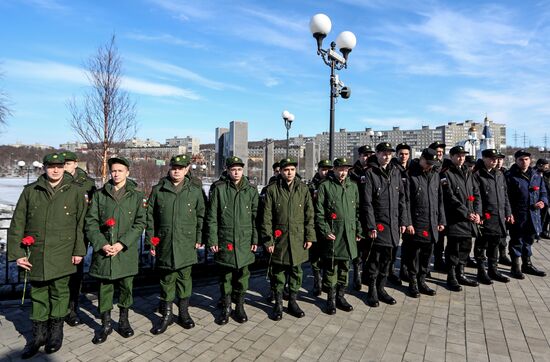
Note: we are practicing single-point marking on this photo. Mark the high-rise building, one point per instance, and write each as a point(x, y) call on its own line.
point(231, 142)
point(191, 144)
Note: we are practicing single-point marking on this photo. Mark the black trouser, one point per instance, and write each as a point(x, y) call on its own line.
point(379, 260)
point(545, 217)
point(487, 245)
point(394, 252)
point(75, 283)
point(457, 250)
point(439, 246)
point(419, 255)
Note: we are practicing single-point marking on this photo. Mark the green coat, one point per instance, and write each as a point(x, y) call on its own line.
point(289, 210)
point(231, 222)
point(56, 223)
point(343, 201)
point(130, 216)
point(175, 218)
point(87, 183)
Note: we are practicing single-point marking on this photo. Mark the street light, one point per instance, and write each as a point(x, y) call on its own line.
point(320, 25)
point(35, 165)
point(288, 118)
point(371, 135)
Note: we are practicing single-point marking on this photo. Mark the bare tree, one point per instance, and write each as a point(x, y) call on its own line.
point(107, 115)
point(5, 111)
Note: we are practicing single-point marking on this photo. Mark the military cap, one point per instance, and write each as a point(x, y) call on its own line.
point(324, 164)
point(53, 159)
point(234, 161)
point(500, 154)
point(120, 160)
point(341, 162)
point(69, 156)
point(430, 156)
point(457, 149)
point(384, 146)
point(470, 160)
point(366, 149)
point(436, 145)
point(275, 165)
point(521, 153)
point(288, 162)
point(542, 162)
point(490, 152)
point(403, 146)
point(180, 160)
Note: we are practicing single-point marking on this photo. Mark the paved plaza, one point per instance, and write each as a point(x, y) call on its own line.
point(500, 322)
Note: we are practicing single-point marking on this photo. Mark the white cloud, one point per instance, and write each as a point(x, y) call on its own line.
point(183, 10)
point(164, 38)
point(47, 4)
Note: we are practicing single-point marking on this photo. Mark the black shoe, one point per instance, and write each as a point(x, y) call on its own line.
point(372, 295)
point(183, 316)
point(504, 260)
point(39, 338)
point(124, 327)
point(55, 335)
point(482, 276)
point(356, 277)
point(494, 274)
point(331, 302)
point(413, 289)
point(225, 307)
point(277, 313)
point(167, 319)
point(106, 328)
point(515, 270)
point(341, 302)
point(471, 262)
point(394, 278)
point(439, 265)
point(528, 268)
point(452, 283)
point(239, 313)
point(404, 274)
point(424, 288)
point(463, 279)
point(383, 296)
point(72, 318)
point(317, 281)
point(293, 308)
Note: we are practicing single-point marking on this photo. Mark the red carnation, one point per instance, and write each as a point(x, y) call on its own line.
point(425, 234)
point(110, 222)
point(230, 247)
point(380, 227)
point(333, 216)
point(155, 240)
point(278, 233)
point(471, 198)
point(487, 216)
point(535, 188)
point(27, 240)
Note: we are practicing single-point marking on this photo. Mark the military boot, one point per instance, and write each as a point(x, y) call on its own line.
point(528, 268)
point(494, 274)
point(383, 296)
point(424, 288)
point(240, 314)
point(341, 301)
point(515, 270)
point(331, 301)
point(277, 313)
point(503, 258)
point(404, 273)
point(293, 307)
point(413, 288)
point(72, 318)
point(463, 279)
point(372, 295)
point(393, 277)
point(482, 276)
point(317, 283)
point(55, 335)
point(225, 307)
point(183, 317)
point(124, 328)
point(439, 264)
point(452, 283)
point(106, 328)
point(39, 338)
point(167, 319)
point(357, 274)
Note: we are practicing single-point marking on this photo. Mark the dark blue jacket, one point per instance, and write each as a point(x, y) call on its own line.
point(524, 191)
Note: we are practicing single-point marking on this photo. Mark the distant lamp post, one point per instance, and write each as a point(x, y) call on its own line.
point(320, 25)
point(379, 136)
point(35, 165)
point(288, 118)
point(371, 135)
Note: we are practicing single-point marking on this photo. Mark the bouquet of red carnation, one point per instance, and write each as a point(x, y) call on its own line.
point(487, 216)
point(110, 223)
point(471, 198)
point(277, 233)
point(380, 228)
point(230, 247)
point(27, 241)
point(425, 233)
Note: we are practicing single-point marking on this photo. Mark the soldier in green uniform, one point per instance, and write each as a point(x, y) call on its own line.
point(51, 213)
point(114, 225)
point(232, 235)
point(175, 216)
point(87, 184)
point(287, 232)
point(339, 230)
point(323, 168)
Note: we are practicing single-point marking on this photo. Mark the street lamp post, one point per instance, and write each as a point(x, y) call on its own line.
point(35, 165)
point(371, 135)
point(288, 118)
point(379, 136)
point(320, 25)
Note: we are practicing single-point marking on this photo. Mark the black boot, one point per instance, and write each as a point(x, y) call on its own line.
point(383, 296)
point(240, 314)
point(503, 258)
point(452, 283)
point(471, 262)
point(357, 275)
point(515, 270)
point(293, 307)
point(413, 288)
point(124, 328)
point(277, 313)
point(271, 296)
point(404, 273)
point(528, 268)
point(317, 283)
point(439, 264)
point(167, 319)
point(393, 277)
point(494, 274)
point(106, 328)
point(372, 295)
point(39, 337)
point(55, 335)
point(286, 292)
point(72, 318)
point(424, 288)
point(331, 301)
point(482, 276)
point(184, 318)
point(341, 301)
point(463, 279)
point(225, 306)
point(364, 275)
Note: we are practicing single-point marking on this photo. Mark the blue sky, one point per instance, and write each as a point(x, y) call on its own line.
point(194, 65)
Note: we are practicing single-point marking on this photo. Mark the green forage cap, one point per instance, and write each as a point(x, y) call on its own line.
point(180, 160)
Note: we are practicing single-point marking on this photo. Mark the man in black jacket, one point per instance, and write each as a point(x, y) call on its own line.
point(462, 211)
point(496, 213)
point(439, 263)
point(544, 169)
point(503, 246)
point(384, 217)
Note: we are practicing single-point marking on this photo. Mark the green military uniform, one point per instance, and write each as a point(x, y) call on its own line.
point(127, 209)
